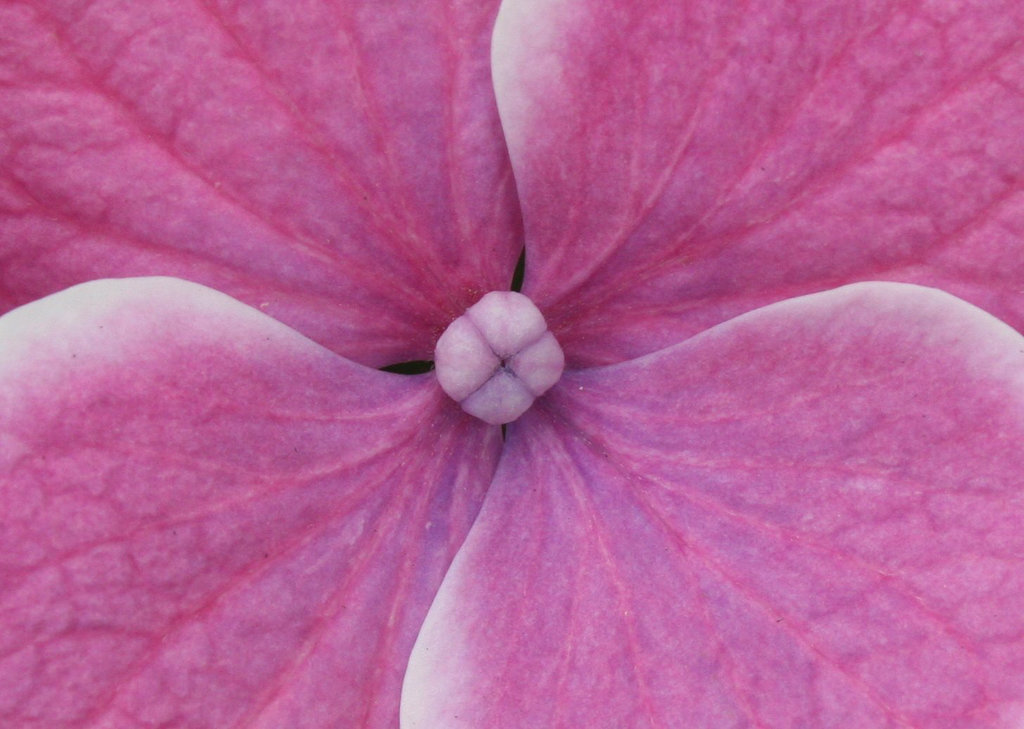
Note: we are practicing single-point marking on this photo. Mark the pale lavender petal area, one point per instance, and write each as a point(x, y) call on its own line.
point(338, 165)
point(211, 521)
point(812, 515)
point(682, 163)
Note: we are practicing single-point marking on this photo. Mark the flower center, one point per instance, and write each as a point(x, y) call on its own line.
point(498, 357)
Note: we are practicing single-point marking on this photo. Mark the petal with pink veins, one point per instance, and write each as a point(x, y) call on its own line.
point(681, 163)
point(211, 521)
point(338, 165)
point(811, 515)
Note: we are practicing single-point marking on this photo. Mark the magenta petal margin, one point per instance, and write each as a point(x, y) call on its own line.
point(680, 163)
point(338, 165)
point(812, 515)
point(211, 521)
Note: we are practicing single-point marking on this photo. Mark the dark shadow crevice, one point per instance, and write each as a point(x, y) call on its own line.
point(519, 274)
point(416, 367)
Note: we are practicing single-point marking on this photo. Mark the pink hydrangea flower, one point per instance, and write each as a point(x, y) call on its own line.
point(777, 485)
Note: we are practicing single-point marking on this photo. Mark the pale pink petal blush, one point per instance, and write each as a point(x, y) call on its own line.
point(812, 515)
point(683, 162)
point(211, 521)
point(338, 165)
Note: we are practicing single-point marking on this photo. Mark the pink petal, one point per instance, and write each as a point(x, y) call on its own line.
point(809, 516)
point(210, 521)
point(682, 163)
point(339, 166)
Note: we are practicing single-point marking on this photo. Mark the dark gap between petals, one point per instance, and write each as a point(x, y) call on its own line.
point(503, 429)
point(519, 273)
point(416, 367)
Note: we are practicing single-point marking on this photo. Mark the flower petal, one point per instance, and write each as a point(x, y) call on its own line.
point(210, 521)
point(340, 166)
point(680, 164)
point(812, 515)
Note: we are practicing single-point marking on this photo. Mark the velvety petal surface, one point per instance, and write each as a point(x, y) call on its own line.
point(681, 163)
point(339, 165)
point(211, 521)
point(810, 516)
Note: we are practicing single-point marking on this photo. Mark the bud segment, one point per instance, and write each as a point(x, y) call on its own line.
point(498, 357)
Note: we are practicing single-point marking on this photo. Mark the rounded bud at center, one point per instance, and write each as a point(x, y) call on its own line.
point(498, 357)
